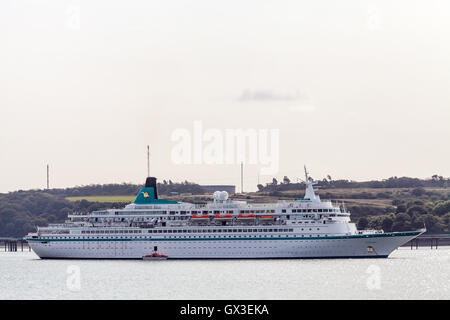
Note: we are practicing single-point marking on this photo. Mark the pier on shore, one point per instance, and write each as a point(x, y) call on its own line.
point(14, 245)
point(429, 240)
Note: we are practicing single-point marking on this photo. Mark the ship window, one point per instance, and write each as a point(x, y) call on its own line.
point(283, 211)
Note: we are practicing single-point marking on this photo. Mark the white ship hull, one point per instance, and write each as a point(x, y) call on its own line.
point(354, 246)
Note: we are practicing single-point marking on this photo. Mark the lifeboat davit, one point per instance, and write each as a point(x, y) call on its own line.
point(246, 216)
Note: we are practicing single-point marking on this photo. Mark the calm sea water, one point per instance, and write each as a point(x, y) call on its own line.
point(407, 274)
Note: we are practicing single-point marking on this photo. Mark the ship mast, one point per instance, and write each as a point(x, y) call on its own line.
point(306, 174)
point(309, 192)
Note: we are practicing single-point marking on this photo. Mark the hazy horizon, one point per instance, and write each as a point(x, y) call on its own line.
point(357, 90)
point(237, 185)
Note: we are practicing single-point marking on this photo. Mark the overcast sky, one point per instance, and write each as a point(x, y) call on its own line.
point(358, 89)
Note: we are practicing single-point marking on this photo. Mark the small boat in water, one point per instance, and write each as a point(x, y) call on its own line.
point(154, 256)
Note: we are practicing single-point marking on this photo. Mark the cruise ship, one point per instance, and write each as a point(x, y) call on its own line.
point(221, 229)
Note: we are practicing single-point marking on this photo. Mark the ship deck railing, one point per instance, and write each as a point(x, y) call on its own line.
point(370, 231)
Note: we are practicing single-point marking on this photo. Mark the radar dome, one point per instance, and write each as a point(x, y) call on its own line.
point(223, 195)
point(220, 195)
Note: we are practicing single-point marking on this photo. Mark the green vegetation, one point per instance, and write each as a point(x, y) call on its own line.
point(435, 181)
point(110, 199)
point(126, 189)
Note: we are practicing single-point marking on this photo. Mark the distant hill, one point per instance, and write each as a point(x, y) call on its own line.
point(126, 189)
point(435, 181)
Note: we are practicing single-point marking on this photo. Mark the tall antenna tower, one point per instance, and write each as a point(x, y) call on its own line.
point(148, 161)
point(48, 177)
point(242, 177)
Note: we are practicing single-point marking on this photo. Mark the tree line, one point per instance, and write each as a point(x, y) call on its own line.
point(285, 184)
point(125, 189)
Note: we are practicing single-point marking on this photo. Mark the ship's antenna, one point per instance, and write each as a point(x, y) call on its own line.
point(306, 174)
point(148, 161)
